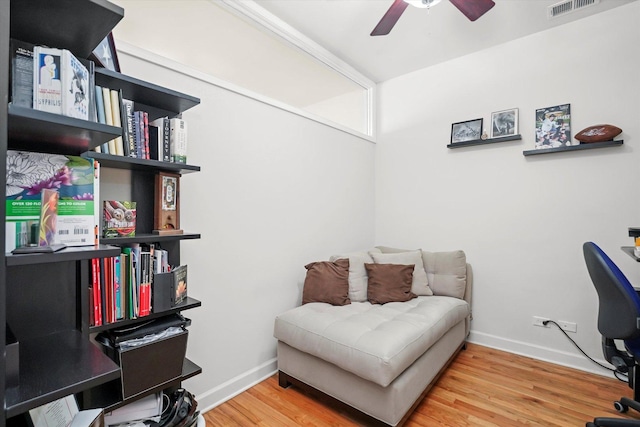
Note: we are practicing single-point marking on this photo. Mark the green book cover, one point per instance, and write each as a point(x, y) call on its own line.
point(72, 177)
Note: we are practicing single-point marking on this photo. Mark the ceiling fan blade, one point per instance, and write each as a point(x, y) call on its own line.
point(473, 9)
point(390, 18)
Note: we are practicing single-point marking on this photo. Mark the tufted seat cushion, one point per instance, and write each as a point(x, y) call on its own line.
point(375, 342)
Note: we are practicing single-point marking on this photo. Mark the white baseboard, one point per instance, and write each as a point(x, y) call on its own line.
point(225, 391)
point(570, 360)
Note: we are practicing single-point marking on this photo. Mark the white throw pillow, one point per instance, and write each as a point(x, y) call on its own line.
point(357, 274)
point(420, 285)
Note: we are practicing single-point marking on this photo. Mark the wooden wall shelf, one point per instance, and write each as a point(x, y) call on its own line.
point(484, 141)
point(573, 148)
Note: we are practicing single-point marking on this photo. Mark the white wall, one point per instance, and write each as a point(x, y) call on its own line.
point(276, 192)
point(521, 220)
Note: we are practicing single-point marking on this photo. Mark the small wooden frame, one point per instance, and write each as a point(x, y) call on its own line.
point(166, 218)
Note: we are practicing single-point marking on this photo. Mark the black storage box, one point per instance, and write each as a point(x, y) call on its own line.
point(12, 359)
point(150, 365)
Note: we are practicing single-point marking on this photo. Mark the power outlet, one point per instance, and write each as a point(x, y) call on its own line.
point(537, 321)
point(568, 326)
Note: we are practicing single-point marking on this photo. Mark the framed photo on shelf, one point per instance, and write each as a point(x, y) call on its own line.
point(466, 131)
point(104, 55)
point(553, 126)
point(504, 123)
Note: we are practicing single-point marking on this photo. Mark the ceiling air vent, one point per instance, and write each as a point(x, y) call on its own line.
point(568, 6)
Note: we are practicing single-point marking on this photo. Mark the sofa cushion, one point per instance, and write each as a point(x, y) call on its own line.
point(327, 282)
point(389, 283)
point(375, 342)
point(420, 283)
point(446, 271)
point(357, 273)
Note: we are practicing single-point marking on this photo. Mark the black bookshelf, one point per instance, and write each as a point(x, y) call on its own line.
point(45, 296)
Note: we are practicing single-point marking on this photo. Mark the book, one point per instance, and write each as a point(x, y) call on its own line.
point(178, 140)
point(154, 153)
point(65, 413)
point(117, 285)
point(47, 84)
point(116, 117)
point(127, 124)
point(119, 218)
point(96, 293)
point(93, 113)
point(27, 174)
point(100, 114)
point(145, 117)
point(164, 147)
point(75, 87)
point(108, 113)
point(139, 133)
point(21, 77)
point(97, 211)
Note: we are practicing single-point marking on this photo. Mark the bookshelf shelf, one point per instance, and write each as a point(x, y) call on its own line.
point(79, 26)
point(149, 238)
point(103, 396)
point(34, 130)
point(186, 305)
point(54, 366)
point(156, 100)
point(130, 163)
point(68, 254)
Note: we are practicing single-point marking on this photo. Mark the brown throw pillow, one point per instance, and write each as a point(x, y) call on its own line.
point(389, 283)
point(327, 282)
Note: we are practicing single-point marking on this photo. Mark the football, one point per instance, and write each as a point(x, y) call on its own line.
point(598, 133)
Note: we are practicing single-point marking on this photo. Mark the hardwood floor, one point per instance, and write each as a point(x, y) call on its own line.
point(482, 387)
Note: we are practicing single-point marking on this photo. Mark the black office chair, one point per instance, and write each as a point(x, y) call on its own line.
point(618, 319)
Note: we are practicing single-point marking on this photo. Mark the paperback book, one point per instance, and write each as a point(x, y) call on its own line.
point(21, 73)
point(60, 83)
point(47, 83)
point(119, 219)
point(178, 138)
point(74, 178)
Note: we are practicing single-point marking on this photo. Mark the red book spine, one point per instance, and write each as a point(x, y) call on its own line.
point(145, 299)
point(95, 290)
point(98, 293)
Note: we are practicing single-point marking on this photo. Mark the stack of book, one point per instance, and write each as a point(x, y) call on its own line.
point(121, 287)
point(54, 80)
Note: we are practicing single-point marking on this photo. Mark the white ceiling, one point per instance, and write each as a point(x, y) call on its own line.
point(422, 37)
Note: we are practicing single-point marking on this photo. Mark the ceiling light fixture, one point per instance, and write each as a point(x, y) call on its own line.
point(422, 3)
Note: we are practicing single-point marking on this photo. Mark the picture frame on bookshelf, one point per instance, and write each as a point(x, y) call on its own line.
point(105, 54)
point(167, 204)
point(504, 123)
point(466, 131)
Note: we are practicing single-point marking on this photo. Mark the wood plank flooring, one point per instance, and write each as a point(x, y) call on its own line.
point(482, 387)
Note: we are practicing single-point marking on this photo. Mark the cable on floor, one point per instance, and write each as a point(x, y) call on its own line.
point(615, 371)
